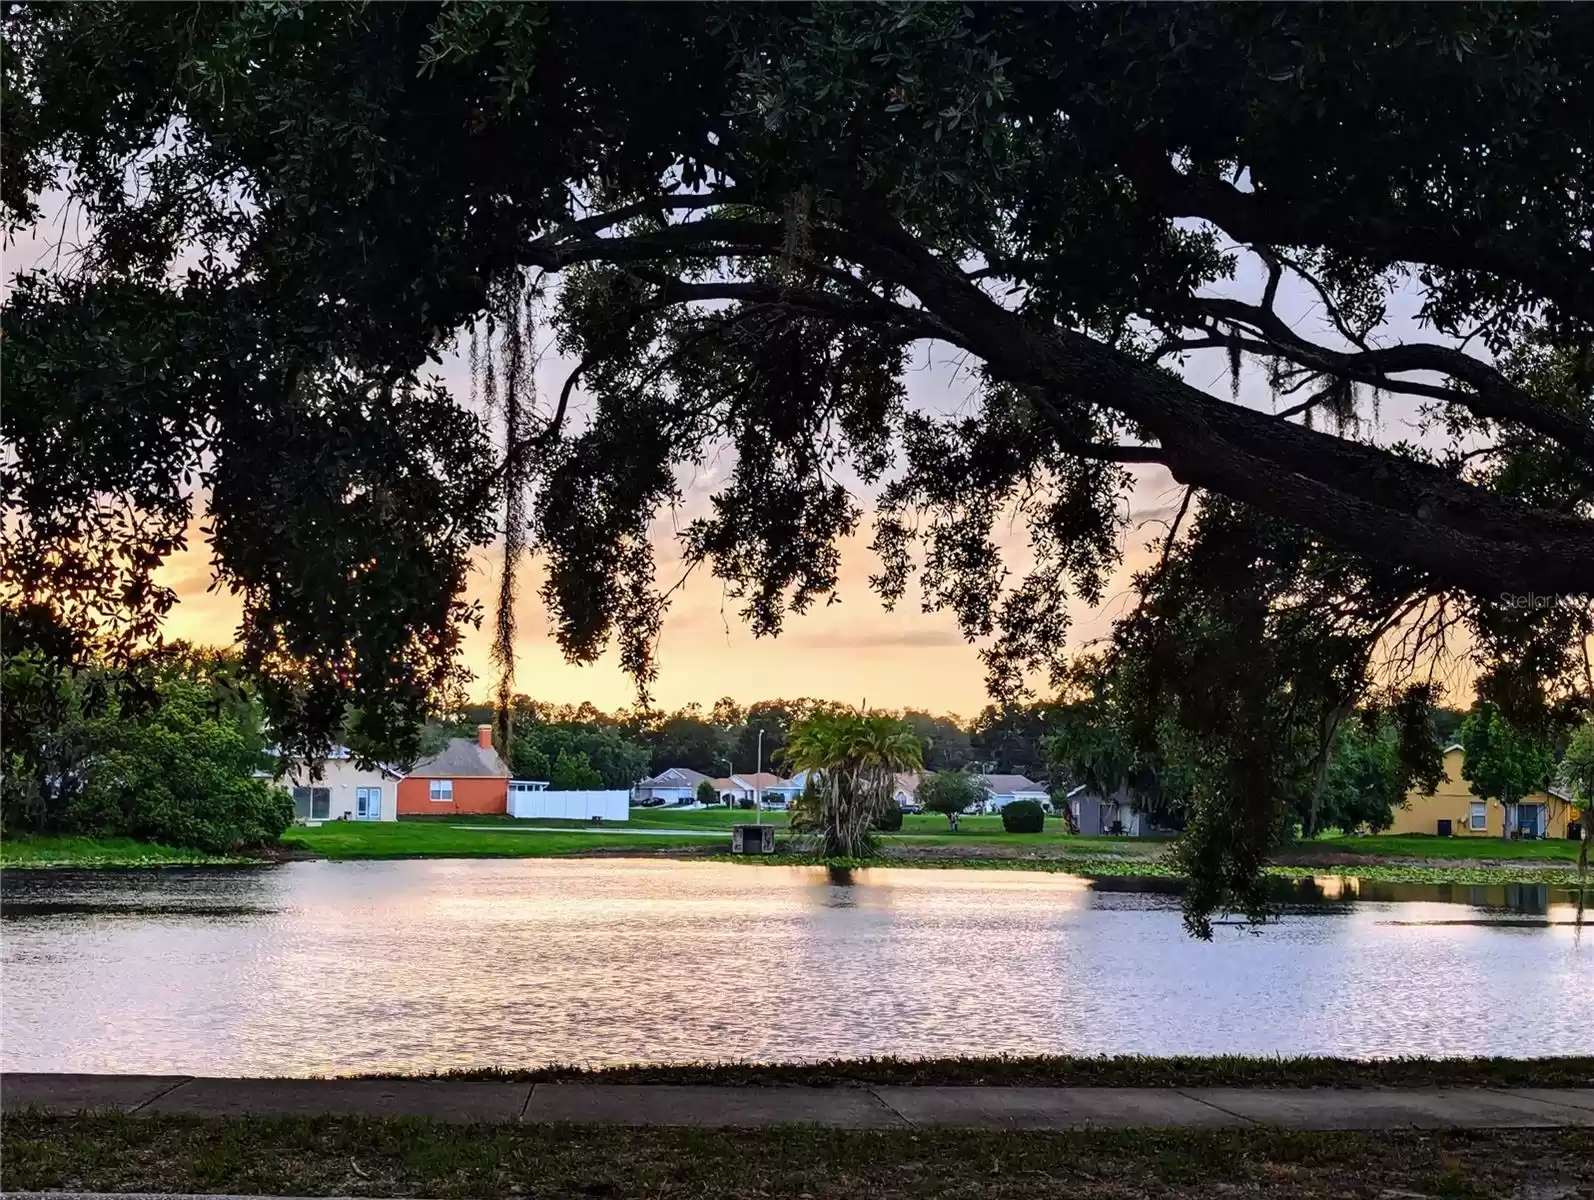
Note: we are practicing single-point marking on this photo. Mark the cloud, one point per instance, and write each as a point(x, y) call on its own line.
point(884, 637)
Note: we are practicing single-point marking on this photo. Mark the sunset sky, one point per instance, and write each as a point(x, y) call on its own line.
point(853, 650)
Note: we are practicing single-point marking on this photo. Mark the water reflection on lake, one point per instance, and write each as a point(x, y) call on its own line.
point(336, 967)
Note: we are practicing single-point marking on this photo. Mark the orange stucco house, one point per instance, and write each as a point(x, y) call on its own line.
point(466, 776)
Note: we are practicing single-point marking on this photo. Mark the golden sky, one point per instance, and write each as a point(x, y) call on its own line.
point(851, 651)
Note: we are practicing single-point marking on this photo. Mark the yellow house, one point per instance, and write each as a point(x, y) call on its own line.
point(1452, 809)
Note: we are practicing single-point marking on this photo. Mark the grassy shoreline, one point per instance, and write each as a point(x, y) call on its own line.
point(48, 852)
point(1122, 1070)
point(349, 842)
point(355, 1156)
point(701, 835)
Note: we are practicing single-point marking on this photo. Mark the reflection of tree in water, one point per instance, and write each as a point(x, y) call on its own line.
point(840, 876)
point(1337, 891)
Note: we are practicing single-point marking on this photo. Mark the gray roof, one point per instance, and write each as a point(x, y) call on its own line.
point(676, 777)
point(1006, 785)
point(462, 758)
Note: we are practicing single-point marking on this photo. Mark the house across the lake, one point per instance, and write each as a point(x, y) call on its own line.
point(673, 785)
point(1007, 788)
point(761, 785)
point(342, 790)
point(1453, 811)
point(466, 776)
point(1095, 815)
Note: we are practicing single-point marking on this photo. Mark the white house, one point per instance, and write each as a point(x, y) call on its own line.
point(673, 785)
point(760, 785)
point(1007, 788)
point(345, 791)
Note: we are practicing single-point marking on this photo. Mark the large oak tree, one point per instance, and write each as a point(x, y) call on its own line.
point(743, 219)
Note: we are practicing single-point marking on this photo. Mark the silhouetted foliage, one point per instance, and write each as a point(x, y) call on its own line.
point(740, 221)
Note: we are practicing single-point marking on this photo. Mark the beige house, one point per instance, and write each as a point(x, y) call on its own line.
point(1452, 810)
point(343, 791)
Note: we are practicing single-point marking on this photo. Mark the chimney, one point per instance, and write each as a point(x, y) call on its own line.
point(484, 736)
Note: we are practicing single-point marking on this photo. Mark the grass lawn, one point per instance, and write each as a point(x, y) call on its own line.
point(925, 840)
point(352, 1156)
point(925, 829)
point(30, 850)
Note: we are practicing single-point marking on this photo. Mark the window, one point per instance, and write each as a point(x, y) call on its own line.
point(443, 790)
point(1478, 818)
point(368, 804)
point(312, 803)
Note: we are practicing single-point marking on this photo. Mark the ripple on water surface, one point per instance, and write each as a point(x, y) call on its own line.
point(337, 967)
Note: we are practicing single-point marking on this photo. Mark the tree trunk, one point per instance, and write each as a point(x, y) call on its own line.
point(1320, 775)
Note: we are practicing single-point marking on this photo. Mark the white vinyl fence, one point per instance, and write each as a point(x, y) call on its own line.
point(529, 801)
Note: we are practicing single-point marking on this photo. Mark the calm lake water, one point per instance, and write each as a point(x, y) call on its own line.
point(323, 967)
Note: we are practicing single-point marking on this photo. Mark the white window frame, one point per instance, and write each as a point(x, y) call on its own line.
point(442, 791)
point(1477, 816)
point(368, 794)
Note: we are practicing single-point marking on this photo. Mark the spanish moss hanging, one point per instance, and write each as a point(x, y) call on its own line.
point(508, 392)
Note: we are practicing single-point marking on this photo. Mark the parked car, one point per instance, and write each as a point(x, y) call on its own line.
point(912, 806)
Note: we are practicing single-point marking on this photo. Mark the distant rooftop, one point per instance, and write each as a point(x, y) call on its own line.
point(462, 758)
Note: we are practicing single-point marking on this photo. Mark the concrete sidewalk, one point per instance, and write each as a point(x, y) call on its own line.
point(842, 1107)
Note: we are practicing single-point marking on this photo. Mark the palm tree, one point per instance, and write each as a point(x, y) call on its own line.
point(853, 759)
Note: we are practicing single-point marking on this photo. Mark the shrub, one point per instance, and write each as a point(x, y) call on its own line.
point(745, 802)
point(182, 777)
point(1023, 816)
point(889, 818)
point(706, 793)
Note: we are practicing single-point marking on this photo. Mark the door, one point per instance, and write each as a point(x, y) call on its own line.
point(368, 804)
point(1530, 819)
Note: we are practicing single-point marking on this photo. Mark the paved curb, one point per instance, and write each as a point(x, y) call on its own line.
point(492, 1102)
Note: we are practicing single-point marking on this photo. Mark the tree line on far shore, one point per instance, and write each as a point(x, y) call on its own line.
point(172, 746)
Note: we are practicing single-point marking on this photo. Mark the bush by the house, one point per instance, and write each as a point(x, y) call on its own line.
point(889, 818)
point(1023, 816)
point(182, 775)
point(745, 802)
point(706, 793)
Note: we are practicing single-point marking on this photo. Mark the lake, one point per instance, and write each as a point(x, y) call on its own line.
point(319, 967)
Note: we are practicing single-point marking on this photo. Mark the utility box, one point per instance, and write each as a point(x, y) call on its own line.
point(752, 839)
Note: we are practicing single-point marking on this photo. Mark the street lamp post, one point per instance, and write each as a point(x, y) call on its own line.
point(758, 790)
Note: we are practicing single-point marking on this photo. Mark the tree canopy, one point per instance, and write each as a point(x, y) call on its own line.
point(1502, 762)
point(739, 221)
point(951, 793)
